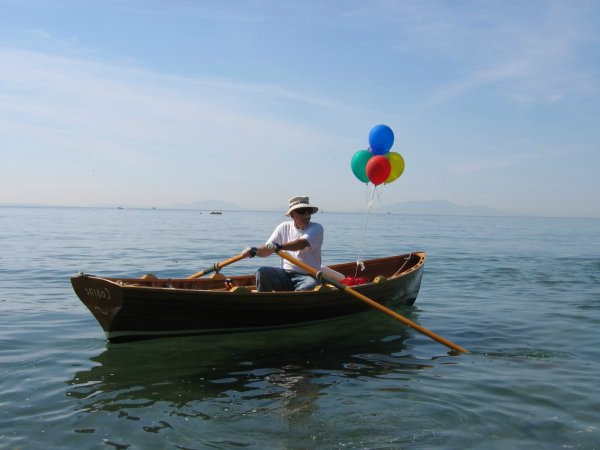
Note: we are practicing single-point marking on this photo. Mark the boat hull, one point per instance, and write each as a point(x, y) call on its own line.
point(132, 309)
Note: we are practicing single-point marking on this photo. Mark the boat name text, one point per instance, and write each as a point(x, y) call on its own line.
point(103, 293)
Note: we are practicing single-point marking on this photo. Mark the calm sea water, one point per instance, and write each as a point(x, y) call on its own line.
point(522, 294)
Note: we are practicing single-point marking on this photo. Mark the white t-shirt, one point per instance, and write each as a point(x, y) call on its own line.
point(313, 233)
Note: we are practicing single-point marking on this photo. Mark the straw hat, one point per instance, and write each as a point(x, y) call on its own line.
point(298, 203)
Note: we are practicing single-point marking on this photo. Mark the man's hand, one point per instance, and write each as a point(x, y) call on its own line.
point(249, 252)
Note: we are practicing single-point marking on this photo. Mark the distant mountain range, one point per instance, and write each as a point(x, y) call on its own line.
point(439, 207)
point(433, 207)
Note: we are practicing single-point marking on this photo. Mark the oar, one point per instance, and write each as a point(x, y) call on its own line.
point(373, 303)
point(218, 266)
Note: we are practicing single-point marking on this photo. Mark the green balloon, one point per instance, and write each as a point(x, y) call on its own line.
point(359, 164)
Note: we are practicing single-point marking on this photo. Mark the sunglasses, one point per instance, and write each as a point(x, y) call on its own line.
point(303, 211)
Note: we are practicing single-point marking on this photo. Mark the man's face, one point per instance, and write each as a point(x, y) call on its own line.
point(301, 217)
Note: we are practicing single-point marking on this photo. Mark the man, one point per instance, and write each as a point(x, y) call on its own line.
point(302, 239)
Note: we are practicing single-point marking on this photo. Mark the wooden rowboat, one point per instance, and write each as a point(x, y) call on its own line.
point(149, 307)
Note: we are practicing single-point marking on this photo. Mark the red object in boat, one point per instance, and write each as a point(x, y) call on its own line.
point(353, 281)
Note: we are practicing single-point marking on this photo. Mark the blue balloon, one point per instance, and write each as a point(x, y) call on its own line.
point(381, 139)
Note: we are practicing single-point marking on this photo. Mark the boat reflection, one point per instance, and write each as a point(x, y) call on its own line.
point(290, 367)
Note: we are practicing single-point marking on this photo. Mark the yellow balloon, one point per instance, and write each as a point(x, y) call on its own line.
point(397, 163)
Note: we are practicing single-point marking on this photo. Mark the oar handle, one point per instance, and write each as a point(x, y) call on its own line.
point(373, 303)
point(218, 266)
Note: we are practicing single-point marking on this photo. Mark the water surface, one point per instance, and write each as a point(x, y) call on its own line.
point(522, 294)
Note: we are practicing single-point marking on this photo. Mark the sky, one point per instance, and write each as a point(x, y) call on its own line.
point(152, 103)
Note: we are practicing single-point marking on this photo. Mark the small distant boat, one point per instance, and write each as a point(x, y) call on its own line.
point(215, 212)
point(130, 309)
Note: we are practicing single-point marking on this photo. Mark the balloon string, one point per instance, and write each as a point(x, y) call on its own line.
point(370, 201)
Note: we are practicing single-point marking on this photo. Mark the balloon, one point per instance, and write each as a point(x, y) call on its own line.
point(397, 163)
point(381, 139)
point(378, 169)
point(359, 164)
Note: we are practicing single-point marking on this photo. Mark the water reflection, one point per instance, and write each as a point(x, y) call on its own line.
point(283, 372)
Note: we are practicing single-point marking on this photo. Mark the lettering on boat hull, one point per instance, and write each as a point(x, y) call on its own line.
point(100, 293)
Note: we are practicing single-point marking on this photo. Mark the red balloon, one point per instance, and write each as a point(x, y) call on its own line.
point(378, 169)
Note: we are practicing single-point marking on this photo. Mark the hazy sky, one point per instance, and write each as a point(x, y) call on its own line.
point(155, 103)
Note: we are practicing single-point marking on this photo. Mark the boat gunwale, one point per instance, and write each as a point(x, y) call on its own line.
point(148, 284)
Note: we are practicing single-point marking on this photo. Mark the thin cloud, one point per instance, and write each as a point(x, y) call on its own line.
point(537, 57)
point(493, 164)
point(90, 97)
